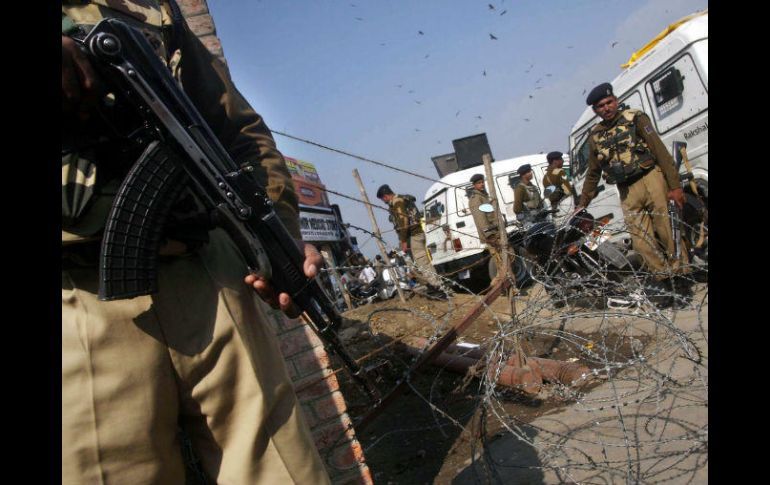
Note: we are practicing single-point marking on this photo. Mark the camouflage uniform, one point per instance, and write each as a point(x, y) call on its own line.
point(558, 178)
point(411, 232)
point(200, 353)
point(630, 143)
point(526, 198)
point(484, 222)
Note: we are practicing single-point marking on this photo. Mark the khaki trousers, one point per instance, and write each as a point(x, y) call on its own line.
point(200, 354)
point(426, 273)
point(645, 209)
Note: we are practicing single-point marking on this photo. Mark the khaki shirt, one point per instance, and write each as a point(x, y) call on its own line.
point(89, 179)
point(483, 220)
point(400, 218)
point(645, 130)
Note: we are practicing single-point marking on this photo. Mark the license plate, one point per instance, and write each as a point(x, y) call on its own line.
point(464, 275)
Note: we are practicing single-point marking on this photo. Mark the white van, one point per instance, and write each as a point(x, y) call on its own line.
point(669, 82)
point(451, 236)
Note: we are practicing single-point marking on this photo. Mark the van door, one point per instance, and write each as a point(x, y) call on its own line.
point(679, 98)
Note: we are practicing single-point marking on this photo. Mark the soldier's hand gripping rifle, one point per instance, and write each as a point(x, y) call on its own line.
point(183, 150)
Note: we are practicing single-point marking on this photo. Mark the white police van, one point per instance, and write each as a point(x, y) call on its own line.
point(669, 82)
point(451, 236)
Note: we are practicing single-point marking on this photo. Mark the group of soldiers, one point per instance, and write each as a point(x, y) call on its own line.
point(625, 149)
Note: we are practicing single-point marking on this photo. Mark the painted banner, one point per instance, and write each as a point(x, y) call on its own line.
point(307, 183)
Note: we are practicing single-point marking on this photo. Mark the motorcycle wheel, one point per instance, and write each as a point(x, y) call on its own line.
point(522, 271)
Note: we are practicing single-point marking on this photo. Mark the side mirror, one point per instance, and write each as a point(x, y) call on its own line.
point(486, 208)
point(676, 150)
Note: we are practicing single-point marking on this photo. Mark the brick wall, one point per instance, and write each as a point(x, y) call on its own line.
point(307, 360)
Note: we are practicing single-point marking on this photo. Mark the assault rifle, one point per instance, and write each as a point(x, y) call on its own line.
point(182, 150)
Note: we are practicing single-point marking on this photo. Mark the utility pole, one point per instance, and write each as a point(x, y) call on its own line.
point(378, 236)
point(503, 238)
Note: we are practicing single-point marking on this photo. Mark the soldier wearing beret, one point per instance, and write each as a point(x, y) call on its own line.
point(486, 222)
point(406, 221)
point(526, 196)
point(556, 177)
point(201, 352)
point(625, 146)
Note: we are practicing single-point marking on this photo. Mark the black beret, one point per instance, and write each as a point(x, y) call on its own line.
point(554, 156)
point(476, 177)
point(383, 190)
point(599, 92)
point(524, 169)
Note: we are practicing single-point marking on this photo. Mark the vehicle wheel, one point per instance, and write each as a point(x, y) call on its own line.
point(522, 271)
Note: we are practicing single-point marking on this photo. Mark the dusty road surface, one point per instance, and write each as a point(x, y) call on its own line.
point(638, 416)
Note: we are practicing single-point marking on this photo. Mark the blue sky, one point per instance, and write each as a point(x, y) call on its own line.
point(357, 75)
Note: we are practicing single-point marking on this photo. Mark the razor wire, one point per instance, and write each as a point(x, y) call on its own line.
point(638, 415)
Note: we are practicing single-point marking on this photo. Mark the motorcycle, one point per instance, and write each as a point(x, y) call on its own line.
point(577, 262)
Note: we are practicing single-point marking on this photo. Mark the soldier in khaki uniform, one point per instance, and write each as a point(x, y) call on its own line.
point(555, 176)
point(626, 147)
point(410, 235)
point(200, 353)
point(526, 196)
point(486, 223)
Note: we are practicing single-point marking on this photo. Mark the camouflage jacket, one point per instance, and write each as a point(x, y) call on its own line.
point(526, 197)
point(558, 178)
point(647, 137)
point(404, 225)
point(94, 164)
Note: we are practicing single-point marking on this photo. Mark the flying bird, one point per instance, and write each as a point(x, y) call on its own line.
point(418, 102)
point(584, 91)
point(416, 129)
point(548, 75)
point(503, 12)
point(479, 117)
point(614, 44)
point(457, 114)
point(420, 32)
point(411, 91)
point(492, 37)
point(530, 96)
point(359, 18)
point(491, 7)
point(399, 85)
point(427, 56)
point(526, 119)
point(484, 73)
point(569, 47)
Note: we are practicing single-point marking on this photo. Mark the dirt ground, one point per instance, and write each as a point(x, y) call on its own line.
point(431, 432)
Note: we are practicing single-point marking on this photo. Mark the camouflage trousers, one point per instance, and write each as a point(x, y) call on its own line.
point(201, 353)
point(645, 210)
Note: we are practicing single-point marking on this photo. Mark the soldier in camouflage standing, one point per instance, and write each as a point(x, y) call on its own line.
point(556, 177)
point(625, 146)
point(200, 353)
point(406, 221)
point(526, 196)
point(486, 222)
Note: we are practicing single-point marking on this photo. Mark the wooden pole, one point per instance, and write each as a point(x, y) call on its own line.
point(487, 159)
point(378, 236)
point(503, 235)
point(336, 275)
